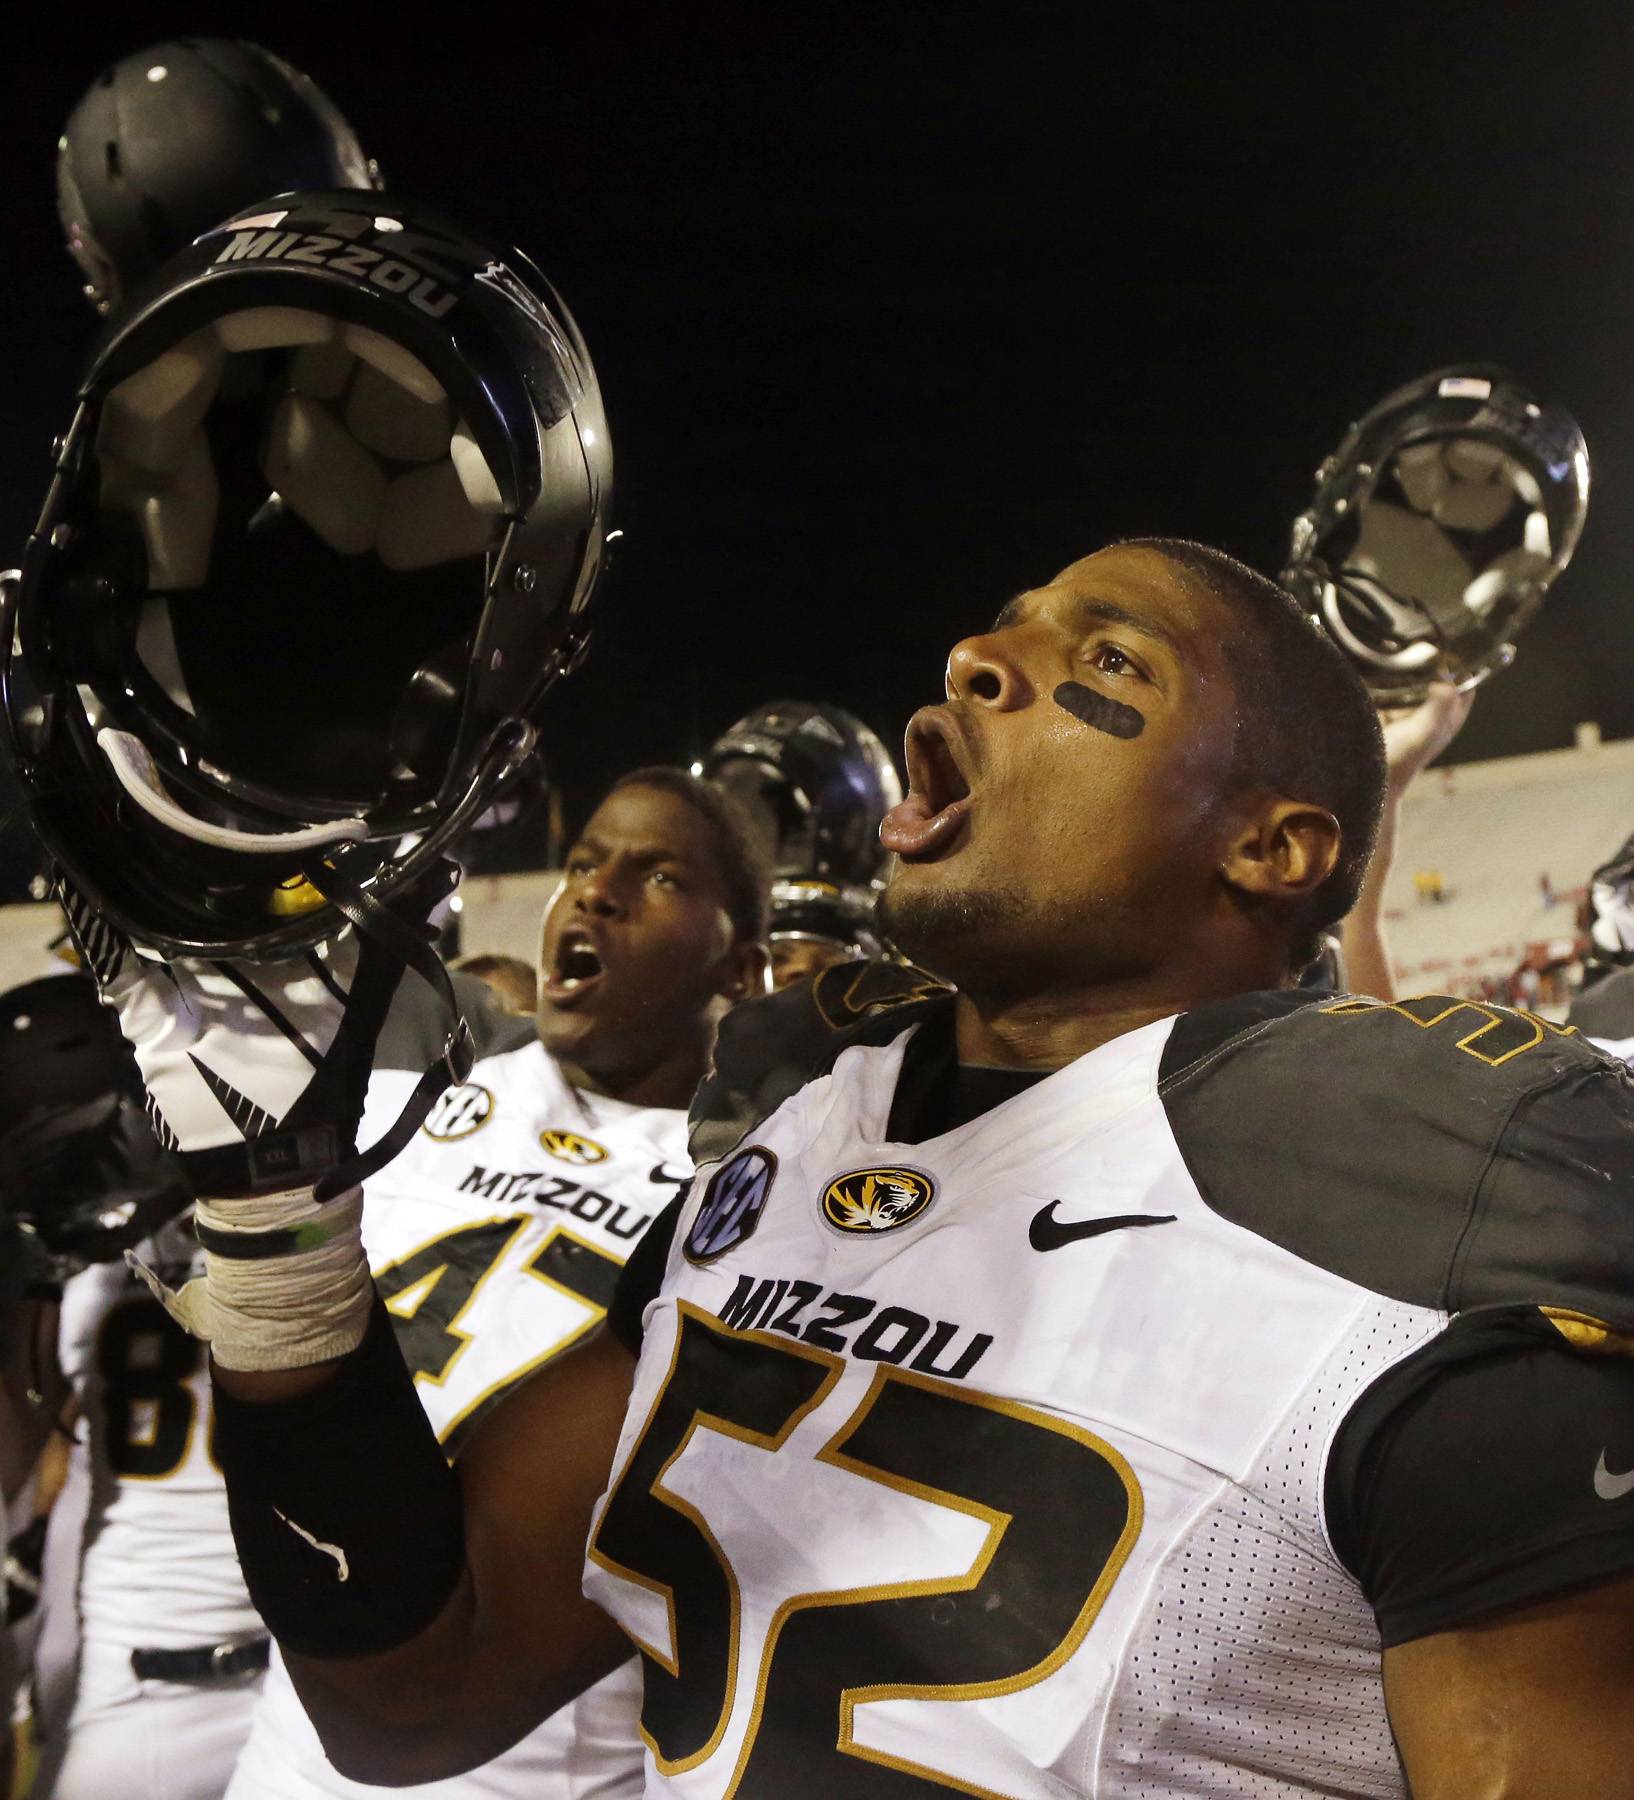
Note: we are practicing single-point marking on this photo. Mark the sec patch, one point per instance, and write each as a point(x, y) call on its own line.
point(458, 1111)
point(568, 1146)
point(877, 1199)
point(732, 1204)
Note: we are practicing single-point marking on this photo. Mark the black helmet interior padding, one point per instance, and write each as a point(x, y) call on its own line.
point(169, 141)
point(816, 781)
point(1438, 526)
point(324, 531)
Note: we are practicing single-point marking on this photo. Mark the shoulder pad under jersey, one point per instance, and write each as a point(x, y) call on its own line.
point(1606, 1010)
point(769, 1048)
point(1448, 1153)
point(417, 1027)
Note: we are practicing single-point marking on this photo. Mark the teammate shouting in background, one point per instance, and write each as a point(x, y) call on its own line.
point(1128, 1375)
point(497, 1237)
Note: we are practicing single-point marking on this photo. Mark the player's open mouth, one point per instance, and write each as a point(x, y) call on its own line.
point(575, 969)
point(932, 817)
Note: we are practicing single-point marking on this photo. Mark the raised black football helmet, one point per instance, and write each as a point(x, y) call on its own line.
point(322, 533)
point(169, 141)
point(81, 1170)
point(817, 782)
point(1437, 527)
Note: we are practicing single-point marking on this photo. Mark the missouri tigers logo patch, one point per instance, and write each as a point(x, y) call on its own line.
point(568, 1146)
point(876, 1199)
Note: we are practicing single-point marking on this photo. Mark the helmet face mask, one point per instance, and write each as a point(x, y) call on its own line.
point(1437, 528)
point(323, 532)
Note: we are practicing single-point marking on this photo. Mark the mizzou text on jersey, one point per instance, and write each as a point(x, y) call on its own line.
point(1162, 1529)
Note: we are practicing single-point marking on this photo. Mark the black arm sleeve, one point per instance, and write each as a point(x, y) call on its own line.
point(642, 1276)
point(1491, 1470)
point(347, 1517)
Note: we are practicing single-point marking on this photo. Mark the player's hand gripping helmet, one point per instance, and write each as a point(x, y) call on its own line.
point(1437, 527)
point(323, 531)
point(166, 143)
point(817, 781)
point(80, 1167)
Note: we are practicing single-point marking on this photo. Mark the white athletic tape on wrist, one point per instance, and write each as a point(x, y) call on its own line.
point(271, 1306)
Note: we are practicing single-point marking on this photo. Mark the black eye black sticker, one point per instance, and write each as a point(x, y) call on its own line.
point(1110, 716)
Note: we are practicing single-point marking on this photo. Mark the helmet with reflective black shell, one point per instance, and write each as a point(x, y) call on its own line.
point(815, 924)
point(323, 532)
point(1437, 527)
point(167, 142)
point(80, 1166)
point(817, 781)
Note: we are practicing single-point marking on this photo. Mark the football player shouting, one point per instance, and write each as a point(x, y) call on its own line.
point(1125, 1375)
point(496, 1238)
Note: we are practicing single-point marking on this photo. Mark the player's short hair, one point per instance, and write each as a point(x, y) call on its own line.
point(744, 867)
point(1306, 724)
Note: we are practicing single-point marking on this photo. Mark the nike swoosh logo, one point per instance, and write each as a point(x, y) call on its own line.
point(1047, 1232)
point(1609, 1486)
point(342, 1570)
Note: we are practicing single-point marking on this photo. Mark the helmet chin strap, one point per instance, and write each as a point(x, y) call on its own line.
point(137, 774)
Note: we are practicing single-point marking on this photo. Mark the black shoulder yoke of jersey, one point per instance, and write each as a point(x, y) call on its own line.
point(1446, 1153)
point(771, 1047)
point(1606, 1010)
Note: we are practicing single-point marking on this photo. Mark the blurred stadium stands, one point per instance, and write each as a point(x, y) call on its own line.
point(1510, 844)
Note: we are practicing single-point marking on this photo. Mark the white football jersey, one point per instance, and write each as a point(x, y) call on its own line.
point(994, 1463)
point(496, 1239)
point(156, 1567)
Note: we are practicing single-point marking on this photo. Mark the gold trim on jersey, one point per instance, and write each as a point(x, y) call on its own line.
point(833, 1453)
point(428, 1283)
point(1496, 1018)
point(570, 1147)
point(561, 1344)
point(838, 1010)
point(449, 1101)
point(834, 1365)
point(1585, 1332)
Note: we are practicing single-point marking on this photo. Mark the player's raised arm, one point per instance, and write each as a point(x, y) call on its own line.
point(429, 1618)
point(1413, 738)
point(393, 1595)
point(323, 532)
point(1535, 1703)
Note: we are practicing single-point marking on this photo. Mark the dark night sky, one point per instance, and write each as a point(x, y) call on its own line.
point(900, 308)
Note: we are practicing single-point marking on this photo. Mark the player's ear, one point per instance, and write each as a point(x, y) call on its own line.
point(745, 970)
point(1284, 851)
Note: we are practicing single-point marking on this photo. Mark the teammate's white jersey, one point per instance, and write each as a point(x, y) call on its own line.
point(139, 1554)
point(994, 1463)
point(496, 1238)
point(158, 1570)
